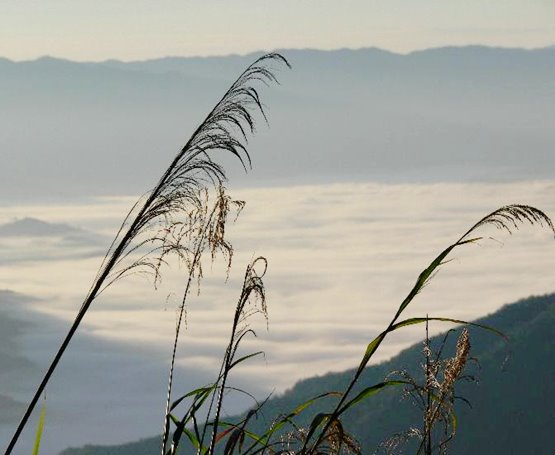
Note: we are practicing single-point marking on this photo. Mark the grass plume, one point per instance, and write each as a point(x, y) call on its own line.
point(152, 229)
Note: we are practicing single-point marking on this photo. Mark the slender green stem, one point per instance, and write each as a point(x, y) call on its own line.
point(196, 259)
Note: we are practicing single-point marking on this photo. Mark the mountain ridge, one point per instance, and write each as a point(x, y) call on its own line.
point(250, 54)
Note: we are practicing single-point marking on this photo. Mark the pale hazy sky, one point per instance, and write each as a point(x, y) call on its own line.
point(139, 29)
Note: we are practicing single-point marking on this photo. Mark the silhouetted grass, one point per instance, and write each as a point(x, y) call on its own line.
point(178, 215)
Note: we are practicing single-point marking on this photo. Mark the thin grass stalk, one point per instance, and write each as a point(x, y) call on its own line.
point(228, 358)
point(216, 398)
point(212, 237)
point(213, 399)
point(435, 410)
point(196, 260)
point(427, 423)
point(221, 388)
point(252, 284)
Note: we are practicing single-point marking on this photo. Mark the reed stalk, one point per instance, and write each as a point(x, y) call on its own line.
point(153, 222)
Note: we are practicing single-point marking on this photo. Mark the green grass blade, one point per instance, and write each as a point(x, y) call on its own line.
point(192, 438)
point(201, 392)
point(420, 320)
point(298, 410)
point(368, 392)
point(370, 349)
point(264, 439)
point(40, 427)
point(246, 357)
point(320, 419)
point(425, 276)
point(375, 343)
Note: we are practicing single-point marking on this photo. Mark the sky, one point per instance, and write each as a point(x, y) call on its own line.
point(142, 29)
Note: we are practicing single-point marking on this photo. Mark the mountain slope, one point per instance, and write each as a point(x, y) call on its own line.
point(511, 411)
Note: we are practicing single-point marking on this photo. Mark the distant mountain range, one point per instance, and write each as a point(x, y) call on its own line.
point(59, 241)
point(16, 368)
point(511, 409)
point(32, 227)
point(71, 129)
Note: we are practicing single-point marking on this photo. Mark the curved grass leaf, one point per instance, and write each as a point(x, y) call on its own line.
point(264, 441)
point(40, 427)
point(202, 391)
point(370, 391)
point(420, 320)
point(319, 420)
point(246, 357)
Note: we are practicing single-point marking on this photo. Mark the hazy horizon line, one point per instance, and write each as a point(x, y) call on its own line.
point(285, 49)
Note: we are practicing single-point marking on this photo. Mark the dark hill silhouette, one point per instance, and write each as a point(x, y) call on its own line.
point(33, 227)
